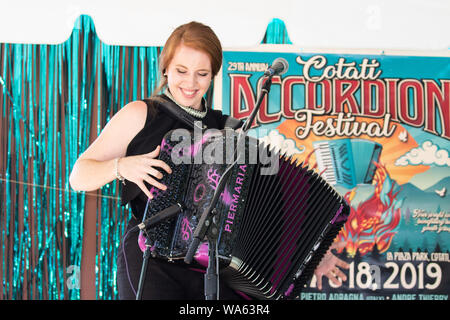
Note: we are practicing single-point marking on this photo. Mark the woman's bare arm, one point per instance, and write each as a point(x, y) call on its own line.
point(97, 165)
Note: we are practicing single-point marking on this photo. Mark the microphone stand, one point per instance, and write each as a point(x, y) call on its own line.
point(208, 223)
point(165, 214)
point(146, 255)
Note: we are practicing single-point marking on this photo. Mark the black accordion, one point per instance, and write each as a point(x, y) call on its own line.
point(276, 217)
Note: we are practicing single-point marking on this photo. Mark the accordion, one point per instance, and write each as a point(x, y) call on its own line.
point(347, 162)
point(277, 218)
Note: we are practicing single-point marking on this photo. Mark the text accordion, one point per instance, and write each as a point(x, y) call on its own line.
point(276, 218)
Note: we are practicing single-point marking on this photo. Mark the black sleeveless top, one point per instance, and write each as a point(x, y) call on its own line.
point(156, 126)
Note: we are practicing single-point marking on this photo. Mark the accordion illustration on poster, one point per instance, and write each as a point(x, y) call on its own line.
point(377, 128)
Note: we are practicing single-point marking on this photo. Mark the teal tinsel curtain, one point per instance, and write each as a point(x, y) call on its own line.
point(54, 101)
point(276, 33)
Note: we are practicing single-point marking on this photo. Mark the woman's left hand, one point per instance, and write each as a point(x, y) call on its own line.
point(328, 267)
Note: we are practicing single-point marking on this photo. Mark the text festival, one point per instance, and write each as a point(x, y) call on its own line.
point(347, 90)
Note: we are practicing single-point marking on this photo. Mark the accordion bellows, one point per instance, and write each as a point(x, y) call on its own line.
point(273, 229)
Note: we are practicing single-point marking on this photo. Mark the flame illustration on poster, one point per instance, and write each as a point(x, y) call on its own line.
point(373, 222)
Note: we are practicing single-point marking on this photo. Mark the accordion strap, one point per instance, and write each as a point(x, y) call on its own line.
point(174, 110)
point(233, 123)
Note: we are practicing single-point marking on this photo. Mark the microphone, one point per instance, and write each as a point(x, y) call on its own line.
point(279, 66)
point(167, 213)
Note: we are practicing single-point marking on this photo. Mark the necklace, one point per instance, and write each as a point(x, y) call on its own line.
point(192, 111)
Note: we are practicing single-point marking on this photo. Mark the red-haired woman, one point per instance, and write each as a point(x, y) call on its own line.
point(128, 147)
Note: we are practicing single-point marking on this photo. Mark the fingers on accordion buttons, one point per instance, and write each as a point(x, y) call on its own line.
point(161, 164)
point(157, 174)
point(155, 183)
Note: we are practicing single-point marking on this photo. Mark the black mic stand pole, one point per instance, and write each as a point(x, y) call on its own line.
point(209, 216)
point(146, 255)
point(167, 213)
point(264, 91)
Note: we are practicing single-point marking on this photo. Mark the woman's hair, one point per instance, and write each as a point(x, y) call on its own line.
point(196, 36)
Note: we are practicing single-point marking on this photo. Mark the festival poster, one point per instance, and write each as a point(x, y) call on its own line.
point(376, 126)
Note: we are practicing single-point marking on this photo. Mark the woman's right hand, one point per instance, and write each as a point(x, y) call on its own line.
point(96, 166)
point(143, 168)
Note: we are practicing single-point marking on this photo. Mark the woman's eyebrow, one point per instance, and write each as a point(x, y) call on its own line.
point(182, 66)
